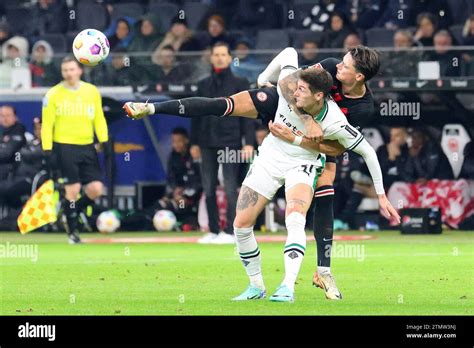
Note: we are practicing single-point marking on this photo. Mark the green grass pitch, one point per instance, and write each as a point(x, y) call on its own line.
point(389, 275)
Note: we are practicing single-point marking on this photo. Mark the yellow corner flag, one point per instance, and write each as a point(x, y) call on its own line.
point(39, 210)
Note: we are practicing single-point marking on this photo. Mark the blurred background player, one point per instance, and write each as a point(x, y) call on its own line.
point(72, 112)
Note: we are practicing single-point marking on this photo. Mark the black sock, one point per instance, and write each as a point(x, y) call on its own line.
point(323, 223)
point(196, 107)
point(71, 214)
point(83, 202)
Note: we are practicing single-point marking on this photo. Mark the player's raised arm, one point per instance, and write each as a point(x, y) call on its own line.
point(284, 68)
point(284, 64)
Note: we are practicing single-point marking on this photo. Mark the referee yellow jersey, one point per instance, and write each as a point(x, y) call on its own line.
point(70, 116)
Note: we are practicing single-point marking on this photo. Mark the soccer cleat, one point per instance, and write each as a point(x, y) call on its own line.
point(208, 238)
point(251, 293)
point(283, 294)
point(327, 282)
point(223, 238)
point(74, 238)
point(138, 110)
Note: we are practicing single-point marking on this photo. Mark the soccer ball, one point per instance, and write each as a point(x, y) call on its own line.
point(164, 220)
point(90, 47)
point(108, 222)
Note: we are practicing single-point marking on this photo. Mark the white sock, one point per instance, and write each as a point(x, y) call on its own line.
point(250, 255)
point(323, 270)
point(294, 248)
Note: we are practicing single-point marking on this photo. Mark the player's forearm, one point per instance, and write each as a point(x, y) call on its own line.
point(328, 147)
point(370, 157)
point(193, 107)
point(285, 60)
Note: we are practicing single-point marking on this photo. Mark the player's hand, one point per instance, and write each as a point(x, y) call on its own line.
point(138, 110)
point(265, 84)
point(314, 131)
point(195, 152)
point(281, 131)
point(387, 209)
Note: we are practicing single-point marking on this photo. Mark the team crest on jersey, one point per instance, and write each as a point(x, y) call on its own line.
point(262, 96)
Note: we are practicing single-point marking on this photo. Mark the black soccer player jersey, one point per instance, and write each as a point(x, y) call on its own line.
point(359, 111)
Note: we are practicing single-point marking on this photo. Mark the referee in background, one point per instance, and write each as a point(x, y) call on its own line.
point(72, 111)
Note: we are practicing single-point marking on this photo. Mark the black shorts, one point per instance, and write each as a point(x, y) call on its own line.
point(265, 101)
point(77, 163)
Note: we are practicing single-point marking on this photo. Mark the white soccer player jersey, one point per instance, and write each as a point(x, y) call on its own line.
point(333, 123)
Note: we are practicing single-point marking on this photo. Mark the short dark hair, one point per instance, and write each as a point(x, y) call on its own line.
point(69, 59)
point(180, 131)
point(221, 44)
point(319, 80)
point(9, 106)
point(429, 16)
point(366, 61)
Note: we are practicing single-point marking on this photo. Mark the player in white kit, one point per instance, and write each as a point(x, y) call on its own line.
point(281, 163)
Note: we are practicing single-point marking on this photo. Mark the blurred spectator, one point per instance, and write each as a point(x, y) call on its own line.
point(118, 72)
point(245, 64)
point(183, 181)
point(254, 15)
point(309, 53)
point(14, 70)
point(352, 40)
point(148, 36)
point(144, 42)
point(43, 70)
point(403, 60)
point(392, 157)
point(13, 138)
point(337, 33)
point(426, 160)
point(48, 16)
point(468, 40)
point(120, 32)
point(30, 163)
point(426, 26)
point(468, 32)
point(448, 59)
point(216, 32)
point(4, 34)
point(467, 169)
point(179, 37)
point(169, 71)
point(211, 135)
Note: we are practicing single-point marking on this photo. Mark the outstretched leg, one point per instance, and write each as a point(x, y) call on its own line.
point(239, 104)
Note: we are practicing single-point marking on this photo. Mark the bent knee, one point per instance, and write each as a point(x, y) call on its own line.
point(242, 221)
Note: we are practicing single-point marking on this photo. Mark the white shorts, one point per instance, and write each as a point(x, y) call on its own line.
point(272, 169)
